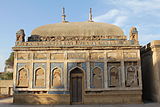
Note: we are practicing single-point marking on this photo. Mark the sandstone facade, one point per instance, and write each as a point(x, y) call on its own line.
point(77, 63)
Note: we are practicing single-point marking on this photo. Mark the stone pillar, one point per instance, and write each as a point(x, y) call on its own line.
point(31, 71)
point(88, 72)
point(65, 71)
point(122, 70)
point(88, 75)
point(139, 69)
point(48, 72)
point(15, 71)
point(105, 72)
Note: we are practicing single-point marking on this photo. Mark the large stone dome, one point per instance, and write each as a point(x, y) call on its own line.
point(78, 29)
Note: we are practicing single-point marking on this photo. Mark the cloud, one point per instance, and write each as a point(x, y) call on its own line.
point(137, 6)
point(116, 16)
point(109, 15)
point(120, 20)
point(144, 39)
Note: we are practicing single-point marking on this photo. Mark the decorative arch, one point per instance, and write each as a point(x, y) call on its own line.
point(131, 77)
point(114, 77)
point(77, 67)
point(39, 77)
point(56, 80)
point(97, 78)
point(22, 78)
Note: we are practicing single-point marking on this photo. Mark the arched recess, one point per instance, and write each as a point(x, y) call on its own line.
point(97, 78)
point(76, 85)
point(39, 78)
point(114, 77)
point(131, 77)
point(22, 78)
point(56, 81)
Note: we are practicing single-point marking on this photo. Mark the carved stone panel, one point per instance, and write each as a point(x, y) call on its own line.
point(39, 78)
point(131, 70)
point(96, 75)
point(114, 74)
point(113, 56)
point(97, 78)
point(40, 56)
point(23, 56)
point(56, 78)
point(56, 56)
point(22, 78)
point(130, 55)
point(76, 55)
point(96, 56)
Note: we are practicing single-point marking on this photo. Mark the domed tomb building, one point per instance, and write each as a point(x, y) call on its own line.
point(77, 63)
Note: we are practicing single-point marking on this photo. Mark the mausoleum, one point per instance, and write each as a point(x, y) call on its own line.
point(77, 63)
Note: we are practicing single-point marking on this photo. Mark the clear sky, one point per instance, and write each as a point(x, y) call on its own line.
point(29, 14)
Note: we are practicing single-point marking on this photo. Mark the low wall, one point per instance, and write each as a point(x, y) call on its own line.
point(6, 87)
point(110, 97)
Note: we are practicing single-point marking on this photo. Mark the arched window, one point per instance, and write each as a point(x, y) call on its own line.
point(97, 78)
point(56, 78)
point(23, 78)
point(114, 77)
point(39, 78)
point(131, 77)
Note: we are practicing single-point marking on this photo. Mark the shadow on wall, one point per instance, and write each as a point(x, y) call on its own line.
point(150, 75)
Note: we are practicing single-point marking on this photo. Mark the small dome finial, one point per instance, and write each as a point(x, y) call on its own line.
point(63, 15)
point(90, 15)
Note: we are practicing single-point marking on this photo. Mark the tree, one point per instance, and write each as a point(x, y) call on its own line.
point(10, 60)
point(6, 76)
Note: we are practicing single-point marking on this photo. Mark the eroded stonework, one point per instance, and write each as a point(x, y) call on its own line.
point(95, 67)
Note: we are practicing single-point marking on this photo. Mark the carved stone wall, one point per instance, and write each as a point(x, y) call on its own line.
point(131, 69)
point(57, 56)
point(23, 56)
point(56, 78)
point(39, 75)
point(97, 71)
point(22, 78)
point(114, 74)
point(130, 55)
point(40, 56)
point(97, 78)
point(39, 78)
point(114, 56)
point(97, 56)
point(76, 56)
point(22, 75)
point(57, 75)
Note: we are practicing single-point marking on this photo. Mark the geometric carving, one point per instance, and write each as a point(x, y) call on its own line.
point(114, 77)
point(113, 56)
point(114, 74)
point(97, 78)
point(40, 56)
point(96, 56)
point(22, 78)
point(39, 78)
point(56, 78)
point(131, 74)
point(22, 56)
point(129, 55)
point(76, 55)
point(55, 56)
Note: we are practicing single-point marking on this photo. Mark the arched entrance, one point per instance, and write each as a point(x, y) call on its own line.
point(76, 86)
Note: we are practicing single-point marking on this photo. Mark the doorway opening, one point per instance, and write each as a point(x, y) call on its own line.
point(76, 86)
